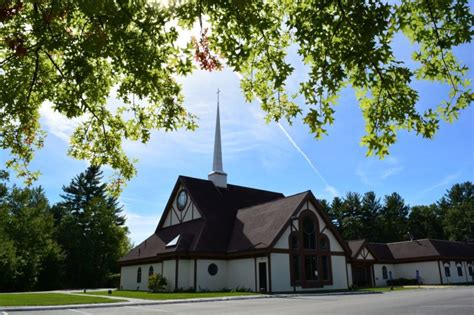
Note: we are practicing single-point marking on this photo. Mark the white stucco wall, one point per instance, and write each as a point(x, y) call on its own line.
point(169, 272)
point(128, 276)
point(241, 273)
point(349, 274)
point(186, 274)
point(204, 281)
point(379, 280)
point(429, 271)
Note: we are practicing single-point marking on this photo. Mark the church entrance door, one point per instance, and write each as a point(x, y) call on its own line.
point(262, 276)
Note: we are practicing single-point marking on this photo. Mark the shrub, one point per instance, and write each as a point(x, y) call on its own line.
point(401, 281)
point(157, 283)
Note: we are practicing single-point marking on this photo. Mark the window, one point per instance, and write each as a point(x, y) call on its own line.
point(150, 271)
point(324, 243)
point(447, 272)
point(310, 260)
point(309, 231)
point(470, 271)
point(182, 200)
point(459, 270)
point(294, 241)
point(325, 267)
point(212, 269)
point(311, 268)
point(139, 275)
point(384, 273)
point(296, 268)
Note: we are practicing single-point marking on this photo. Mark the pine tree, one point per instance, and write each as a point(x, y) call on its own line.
point(91, 230)
point(457, 207)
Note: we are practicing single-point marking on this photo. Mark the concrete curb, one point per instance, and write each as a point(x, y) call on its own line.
point(180, 301)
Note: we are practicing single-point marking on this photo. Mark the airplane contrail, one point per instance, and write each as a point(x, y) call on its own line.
point(329, 188)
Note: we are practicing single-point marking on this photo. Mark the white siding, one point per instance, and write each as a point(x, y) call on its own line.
point(241, 273)
point(349, 274)
point(207, 282)
point(429, 272)
point(379, 280)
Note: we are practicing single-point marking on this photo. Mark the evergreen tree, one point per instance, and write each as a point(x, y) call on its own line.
point(426, 222)
point(370, 210)
point(457, 208)
point(91, 230)
point(392, 220)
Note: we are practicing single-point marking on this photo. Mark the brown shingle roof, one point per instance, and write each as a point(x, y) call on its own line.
point(355, 247)
point(422, 249)
point(212, 233)
point(258, 226)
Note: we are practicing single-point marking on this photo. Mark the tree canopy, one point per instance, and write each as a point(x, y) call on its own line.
point(72, 54)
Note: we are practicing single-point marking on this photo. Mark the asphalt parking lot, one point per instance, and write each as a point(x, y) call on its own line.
point(458, 300)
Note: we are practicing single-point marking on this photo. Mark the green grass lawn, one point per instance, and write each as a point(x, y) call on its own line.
point(170, 296)
point(37, 299)
point(387, 289)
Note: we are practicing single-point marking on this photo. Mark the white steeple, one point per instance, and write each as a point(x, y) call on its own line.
point(218, 176)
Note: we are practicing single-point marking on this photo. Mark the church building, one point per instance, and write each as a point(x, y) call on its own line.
point(214, 235)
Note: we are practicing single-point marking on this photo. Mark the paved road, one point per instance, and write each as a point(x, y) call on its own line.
point(424, 301)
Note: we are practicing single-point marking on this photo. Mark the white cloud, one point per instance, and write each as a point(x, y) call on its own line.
point(373, 172)
point(58, 124)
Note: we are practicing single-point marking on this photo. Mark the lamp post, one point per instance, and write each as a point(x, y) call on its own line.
point(292, 229)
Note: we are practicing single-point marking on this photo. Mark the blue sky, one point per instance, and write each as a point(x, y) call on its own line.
point(273, 157)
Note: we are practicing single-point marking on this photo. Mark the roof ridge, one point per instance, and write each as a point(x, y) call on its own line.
point(239, 186)
point(274, 200)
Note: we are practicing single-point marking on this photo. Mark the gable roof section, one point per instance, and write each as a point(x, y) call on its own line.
point(258, 226)
point(211, 233)
point(261, 226)
point(380, 251)
point(424, 249)
point(355, 247)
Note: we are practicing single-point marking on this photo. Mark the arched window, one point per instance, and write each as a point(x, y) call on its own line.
point(459, 267)
point(309, 232)
point(324, 243)
point(139, 275)
point(384, 273)
point(310, 260)
point(150, 271)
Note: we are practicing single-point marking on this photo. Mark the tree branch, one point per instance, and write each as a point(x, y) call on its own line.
point(35, 76)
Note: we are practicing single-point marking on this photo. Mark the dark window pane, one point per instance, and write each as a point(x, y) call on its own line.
point(294, 241)
point(311, 268)
point(150, 271)
point(447, 272)
point(139, 275)
point(470, 270)
point(325, 267)
point(384, 272)
point(309, 235)
point(212, 269)
point(297, 268)
point(459, 271)
point(323, 243)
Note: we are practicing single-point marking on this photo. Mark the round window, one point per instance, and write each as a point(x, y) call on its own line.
point(182, 200)
point(212, 269)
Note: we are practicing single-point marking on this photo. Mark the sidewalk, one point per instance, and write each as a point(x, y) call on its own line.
point(139, 302)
